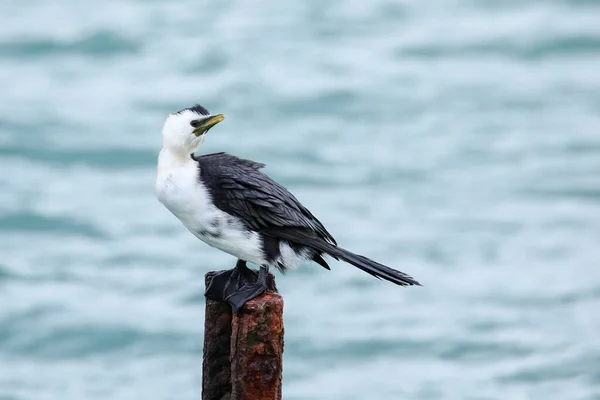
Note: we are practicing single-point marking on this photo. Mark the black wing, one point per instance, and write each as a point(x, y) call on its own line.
point(239, 188)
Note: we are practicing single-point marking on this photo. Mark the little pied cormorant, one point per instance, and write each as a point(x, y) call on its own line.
point(228, 203)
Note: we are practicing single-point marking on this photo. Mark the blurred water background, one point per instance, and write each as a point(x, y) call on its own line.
point(457, 140)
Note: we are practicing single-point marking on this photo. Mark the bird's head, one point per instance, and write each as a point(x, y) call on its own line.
point(184, 130)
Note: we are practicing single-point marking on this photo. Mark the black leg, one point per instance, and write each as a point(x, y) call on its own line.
point(250, 290)
point(224, 283)
point(248, 274)
point(237, 285)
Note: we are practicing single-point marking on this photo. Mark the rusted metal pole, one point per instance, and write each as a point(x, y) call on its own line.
point(243, 353)
point(216, 367)
point(257, 349)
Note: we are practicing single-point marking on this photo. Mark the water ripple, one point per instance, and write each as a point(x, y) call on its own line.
point(99, 44)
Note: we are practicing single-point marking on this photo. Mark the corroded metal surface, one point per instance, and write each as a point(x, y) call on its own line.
point(243, 353)
point(257, 349)
point(216, 367)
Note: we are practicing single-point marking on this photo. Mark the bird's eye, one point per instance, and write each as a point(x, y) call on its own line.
point(195, 123)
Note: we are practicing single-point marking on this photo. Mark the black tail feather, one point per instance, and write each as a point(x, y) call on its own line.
point(306, 237)
point(372, 267)
point(319, 260)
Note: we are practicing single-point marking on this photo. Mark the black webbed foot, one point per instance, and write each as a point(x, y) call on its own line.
point(249, 291)
point(237, 285)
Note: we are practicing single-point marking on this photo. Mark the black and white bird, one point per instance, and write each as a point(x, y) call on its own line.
point(228, 203)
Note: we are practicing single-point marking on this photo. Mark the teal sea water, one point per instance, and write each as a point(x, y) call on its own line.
point(458, 141)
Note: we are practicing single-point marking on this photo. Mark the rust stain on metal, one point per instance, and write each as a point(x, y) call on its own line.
point(243, 353)
point(257, 349)
point(216, 367)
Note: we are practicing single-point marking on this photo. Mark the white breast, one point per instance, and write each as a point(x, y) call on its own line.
point(178, 188)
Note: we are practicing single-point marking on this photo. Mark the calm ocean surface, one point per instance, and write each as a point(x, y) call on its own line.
point(456, 140)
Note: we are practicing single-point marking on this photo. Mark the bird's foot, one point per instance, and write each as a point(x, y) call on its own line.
point(238, 285)
point(249, 291)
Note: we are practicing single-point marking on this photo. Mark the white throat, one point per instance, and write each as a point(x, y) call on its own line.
point(173, 158)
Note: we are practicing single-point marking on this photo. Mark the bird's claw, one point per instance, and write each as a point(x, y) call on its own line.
point(248, 291)
point(236, 286)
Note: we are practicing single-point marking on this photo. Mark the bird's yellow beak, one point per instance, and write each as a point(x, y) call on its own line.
point(208, 123)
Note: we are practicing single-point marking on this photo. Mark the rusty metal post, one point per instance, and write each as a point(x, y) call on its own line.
point(250, 367)
point(216, 367)
point(257, 349)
